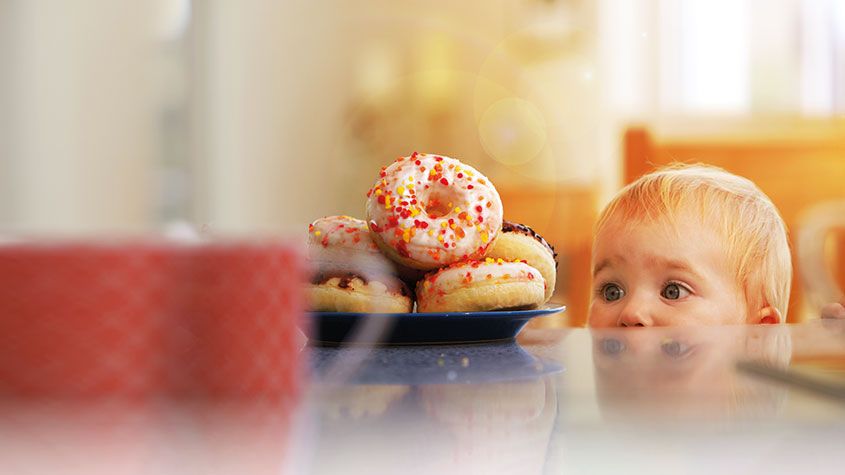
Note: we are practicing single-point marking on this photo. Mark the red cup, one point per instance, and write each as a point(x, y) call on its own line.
point(82, 319)
point(150, 319)
point(242, 305)
point(207, 332)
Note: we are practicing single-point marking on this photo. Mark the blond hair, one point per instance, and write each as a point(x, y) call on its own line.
point(733, 206)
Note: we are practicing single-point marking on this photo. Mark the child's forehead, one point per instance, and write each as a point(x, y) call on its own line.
point(655, 248)
point(674, 226)
point(684, 236)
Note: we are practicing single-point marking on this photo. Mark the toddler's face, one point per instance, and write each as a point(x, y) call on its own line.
point(653, 274)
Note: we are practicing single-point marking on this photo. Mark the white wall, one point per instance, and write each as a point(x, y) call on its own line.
point(80, 116)
point(283, 128)
point(268, 101)
point(6, 194)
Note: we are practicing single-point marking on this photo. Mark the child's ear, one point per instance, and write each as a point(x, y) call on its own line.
point(767, 315)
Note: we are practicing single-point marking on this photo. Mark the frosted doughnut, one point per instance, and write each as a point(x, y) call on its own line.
point(353, 293)
point(519, 242)
point(475, 286)
point(429, 211)
point(343, 244)
point(350, 273)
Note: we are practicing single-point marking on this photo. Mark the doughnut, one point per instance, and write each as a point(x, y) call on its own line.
point(430, 211)
point(476, 286)
point(352, 293)
point(343, 244)
point(519, 242)
point(350, 273)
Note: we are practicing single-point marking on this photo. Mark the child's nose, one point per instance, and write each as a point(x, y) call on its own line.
point(635, 313)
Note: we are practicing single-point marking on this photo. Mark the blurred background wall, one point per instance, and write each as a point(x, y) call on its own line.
point(79, 115)
point(257, 116)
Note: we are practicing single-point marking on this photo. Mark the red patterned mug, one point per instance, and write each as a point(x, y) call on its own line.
point(147, 319)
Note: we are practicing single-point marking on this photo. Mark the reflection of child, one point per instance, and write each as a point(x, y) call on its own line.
point(834, 310)
point(688, 373)
point(690, 245)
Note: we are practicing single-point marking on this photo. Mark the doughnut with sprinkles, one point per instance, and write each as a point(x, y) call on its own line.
point(474, 286)
point(429, 211)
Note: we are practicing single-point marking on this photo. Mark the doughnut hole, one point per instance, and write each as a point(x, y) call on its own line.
point(439, 200)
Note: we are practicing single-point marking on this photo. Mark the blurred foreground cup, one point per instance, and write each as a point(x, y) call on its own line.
point(146, 319)
point(80, 319)
point(243, 302)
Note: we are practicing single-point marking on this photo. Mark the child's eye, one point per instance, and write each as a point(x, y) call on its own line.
point(674, 291)
point(675, 349)
point(612, 346)
point(612, 292)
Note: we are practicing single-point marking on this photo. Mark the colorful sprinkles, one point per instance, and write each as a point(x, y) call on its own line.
point(438, 284)
point(342, 231)
point(430, 191)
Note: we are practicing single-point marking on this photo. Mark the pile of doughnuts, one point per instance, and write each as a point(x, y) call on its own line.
point(434, 224)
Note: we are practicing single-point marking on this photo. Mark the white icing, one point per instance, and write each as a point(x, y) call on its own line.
point(486, 273)
point(343, 243)
point(410, 193)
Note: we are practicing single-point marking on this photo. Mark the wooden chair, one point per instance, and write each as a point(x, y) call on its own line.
point(797, 163)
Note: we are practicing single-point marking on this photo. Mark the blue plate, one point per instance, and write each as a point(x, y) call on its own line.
point(421, 328)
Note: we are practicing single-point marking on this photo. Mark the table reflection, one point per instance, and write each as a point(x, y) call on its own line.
point(440, 409)
point(687, 372)
point(657, 400)
point(571, 401)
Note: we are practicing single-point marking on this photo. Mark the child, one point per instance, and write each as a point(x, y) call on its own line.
point(690, 245)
